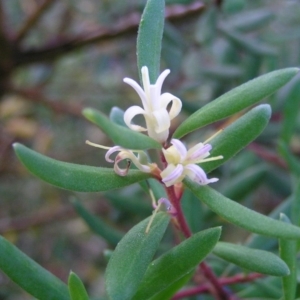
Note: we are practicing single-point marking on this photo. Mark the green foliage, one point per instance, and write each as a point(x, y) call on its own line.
point(29, 275)
point(252, 259)
point(130, 260)
point(176, 263)
point(233, 42)
point(110, 234)
point(149, 38)
point(236, 100)
point(120, 135)
point(76, 288)
point(288, 253)
point(242, 216)
point(74, 177)
point(238, 135)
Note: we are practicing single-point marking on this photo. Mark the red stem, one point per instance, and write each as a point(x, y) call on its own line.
point(207, 271)
point(240, 278)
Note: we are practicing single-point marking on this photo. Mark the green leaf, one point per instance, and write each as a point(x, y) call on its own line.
point(238, 135)
point(76, 288)
point(149, 38)
point(250, 45)
point(242, 216)
point(177, 262)
point(288, 253)
point(74, 177)
point(250, 20)
point(260, 261)
point(132, 256)
point(290, 113)
point(173, 287)
point(263, 289)
point(262, 242)
point(129, 204)
point(295, 207)
point(236, 100)
point(110, 234)
point(242, 184)
point(116, 115)
point(29, 275)
point(120, 135)
point(291, 160)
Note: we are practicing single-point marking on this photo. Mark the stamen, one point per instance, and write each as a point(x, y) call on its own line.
point(152, 198)
point(97, 145)
point(213, 136)
point(152, 217)
point(212, 158)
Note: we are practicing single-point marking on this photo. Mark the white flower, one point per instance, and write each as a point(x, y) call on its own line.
point(140, 161)
point(157, 117)
point(182, 163)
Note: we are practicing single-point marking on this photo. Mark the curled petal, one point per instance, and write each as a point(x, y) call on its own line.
point(161, 137)
point(146, 81)
point(165, 99)
point(120, 171)
point(180, 148)
point(130, 113)
point(138, 89)
point(172, 174)
point(162, 121)
point(198, 152)
point(111, 151)
point(129, 155)
point(197, 174)
point(160, 80)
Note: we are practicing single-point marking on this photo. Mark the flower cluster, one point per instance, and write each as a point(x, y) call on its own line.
point(179, 162)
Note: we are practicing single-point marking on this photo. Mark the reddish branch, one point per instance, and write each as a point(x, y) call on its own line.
point(267, 155)
point(125, 26)
point(205, 288)
point(57, 106)
point(32, 20)
point(42, 218)
point(215, 286)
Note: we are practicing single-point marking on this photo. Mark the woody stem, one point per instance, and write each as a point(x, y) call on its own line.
point(207, 271)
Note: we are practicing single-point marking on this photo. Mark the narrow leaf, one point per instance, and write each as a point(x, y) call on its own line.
point(132, 256)
point(120, 135)
point(288, 253)
point(290, 112)
point(150, 36)
point(242, 216)
point(240, 185)
point(238, 135)
point(116, 115)
point(177, 262)
point(110, 234)
point(172, 288)
point(74, 177)
point(29, 275)
point(236, 100)
point(292, 161)
point(260, 261)
point(250, 20)
point(250, 45)
point(76, 288)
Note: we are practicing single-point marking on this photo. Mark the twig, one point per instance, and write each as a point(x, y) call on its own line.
point(267, 155)
point(218, 289)
point(41, 218)
point(57, 106)
point(127, 25)
point(239, 278)
point(32, 20)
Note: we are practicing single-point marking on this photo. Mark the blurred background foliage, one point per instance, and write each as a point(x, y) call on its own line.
point(58, 57)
